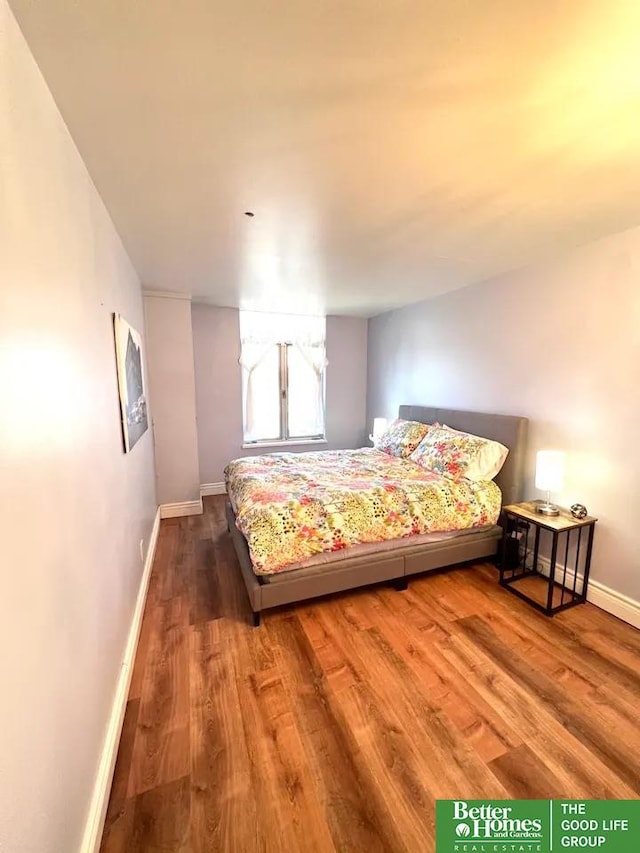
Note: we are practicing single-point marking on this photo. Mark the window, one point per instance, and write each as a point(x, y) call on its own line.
point(283, 377)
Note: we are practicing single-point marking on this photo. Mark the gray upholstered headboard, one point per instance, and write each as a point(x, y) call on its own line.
point(507, 429)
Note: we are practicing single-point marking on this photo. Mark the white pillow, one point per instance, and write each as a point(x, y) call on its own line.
point(487, 462)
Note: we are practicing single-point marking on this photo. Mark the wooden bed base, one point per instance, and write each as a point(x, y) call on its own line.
point(398, 565)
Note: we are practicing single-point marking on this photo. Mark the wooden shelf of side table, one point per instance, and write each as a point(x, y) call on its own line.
point(565, 586)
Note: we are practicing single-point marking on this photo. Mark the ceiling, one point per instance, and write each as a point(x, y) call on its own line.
point(390, 151)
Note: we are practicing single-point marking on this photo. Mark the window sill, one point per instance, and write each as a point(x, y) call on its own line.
point(291, 443)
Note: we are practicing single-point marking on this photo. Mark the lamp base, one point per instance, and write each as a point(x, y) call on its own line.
point(547, 508)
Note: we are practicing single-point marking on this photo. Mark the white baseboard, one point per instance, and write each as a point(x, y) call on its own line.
point(212, 489)
point(102, 788)
point(613, 602)
point(177, 510)
point(602, 596)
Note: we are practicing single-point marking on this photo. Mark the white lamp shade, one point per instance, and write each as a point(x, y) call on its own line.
point(549, 470)
point(379, 426)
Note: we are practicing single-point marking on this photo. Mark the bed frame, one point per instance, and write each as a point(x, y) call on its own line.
point(399, 564)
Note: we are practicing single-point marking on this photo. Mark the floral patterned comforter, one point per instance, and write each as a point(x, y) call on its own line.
point(292, 506)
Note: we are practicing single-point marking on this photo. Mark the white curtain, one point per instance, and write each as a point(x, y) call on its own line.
point(260, 335)
point(306, 389)
point(256, 353)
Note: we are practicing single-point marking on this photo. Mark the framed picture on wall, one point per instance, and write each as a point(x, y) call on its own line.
point(133, 399)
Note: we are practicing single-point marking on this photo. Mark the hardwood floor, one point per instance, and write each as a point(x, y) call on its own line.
point(336, 724)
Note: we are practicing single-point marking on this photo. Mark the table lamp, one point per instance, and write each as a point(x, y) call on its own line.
point(379, 426)
point(549, 478)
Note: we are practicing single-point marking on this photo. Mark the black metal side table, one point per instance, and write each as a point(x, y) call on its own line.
point(568, 538)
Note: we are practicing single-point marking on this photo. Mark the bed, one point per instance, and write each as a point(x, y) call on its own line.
point(314, 568)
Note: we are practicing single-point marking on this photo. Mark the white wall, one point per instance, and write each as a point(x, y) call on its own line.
point(73, 506)
point(172, 393)
point(559, 344)
point(216, 342)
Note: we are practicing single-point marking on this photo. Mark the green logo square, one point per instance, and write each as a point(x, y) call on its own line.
point(492, 826)
point(537, 826)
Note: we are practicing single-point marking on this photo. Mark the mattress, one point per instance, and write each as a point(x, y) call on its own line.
point(328, 559)
point(298, 510)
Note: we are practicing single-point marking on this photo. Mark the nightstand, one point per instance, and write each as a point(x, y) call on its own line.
point(554, 582)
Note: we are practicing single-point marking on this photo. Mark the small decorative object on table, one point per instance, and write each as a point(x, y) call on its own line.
point(558, 586)
point(578, 511)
